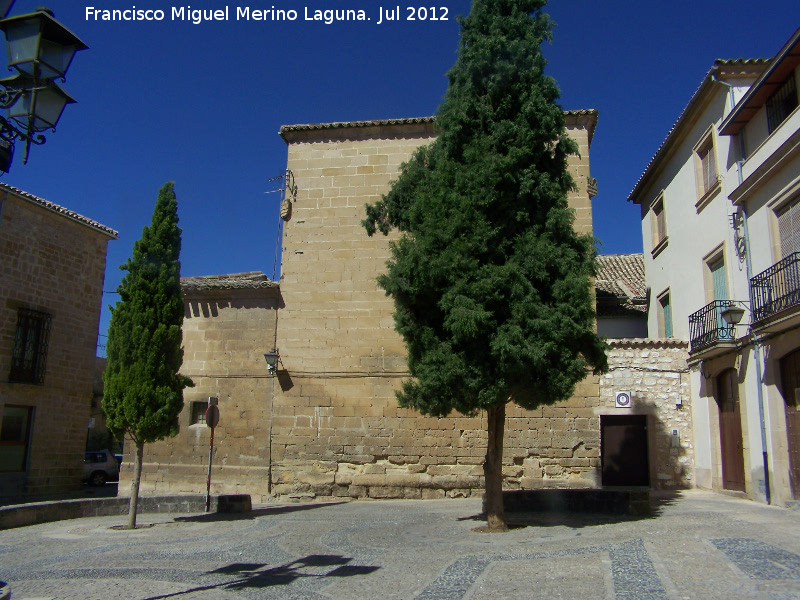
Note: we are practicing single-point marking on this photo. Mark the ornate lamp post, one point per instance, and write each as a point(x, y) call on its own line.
point(41, 50)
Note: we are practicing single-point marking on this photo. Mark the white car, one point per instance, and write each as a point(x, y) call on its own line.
point(100, 466)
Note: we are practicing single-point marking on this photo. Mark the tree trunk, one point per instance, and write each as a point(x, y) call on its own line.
point(493, 470)
point(137, 477)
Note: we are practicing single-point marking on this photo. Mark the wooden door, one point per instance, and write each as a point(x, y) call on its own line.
point(790, 385)
point(623, 450)
point(730, 431)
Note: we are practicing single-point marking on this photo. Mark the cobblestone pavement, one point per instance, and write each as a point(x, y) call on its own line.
point(699, 545)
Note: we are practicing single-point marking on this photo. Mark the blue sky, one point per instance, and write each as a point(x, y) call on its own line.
point(201, 104)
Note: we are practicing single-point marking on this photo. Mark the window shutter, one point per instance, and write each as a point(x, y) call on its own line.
point(789, 229)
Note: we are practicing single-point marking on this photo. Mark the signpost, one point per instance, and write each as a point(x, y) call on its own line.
point(212, 418)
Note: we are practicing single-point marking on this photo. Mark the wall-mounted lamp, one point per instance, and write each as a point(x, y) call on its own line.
point(733, 315)
point(272, 358)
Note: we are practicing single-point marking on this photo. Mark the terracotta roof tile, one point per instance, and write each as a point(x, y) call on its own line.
point(622, 276)
point(405, 121)
point(249, 280)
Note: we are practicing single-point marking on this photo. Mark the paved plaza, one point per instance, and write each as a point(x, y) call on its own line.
point(697, 545)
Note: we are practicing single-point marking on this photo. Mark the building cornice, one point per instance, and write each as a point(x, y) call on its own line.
point(584, 118)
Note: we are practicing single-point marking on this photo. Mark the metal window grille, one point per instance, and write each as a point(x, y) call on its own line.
point(777, 288)
point(199, 413)
point(29, 354)
point(781, 104)
point(789, 228)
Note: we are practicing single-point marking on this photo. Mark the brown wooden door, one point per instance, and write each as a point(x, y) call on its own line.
point(790, 385)
point(623, 450)
point(730, 431)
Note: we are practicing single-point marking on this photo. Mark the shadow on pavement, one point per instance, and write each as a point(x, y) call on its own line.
point(255, 513)
point(554, 514)
point(254, 575)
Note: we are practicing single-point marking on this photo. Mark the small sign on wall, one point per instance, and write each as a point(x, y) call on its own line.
point(622, 399)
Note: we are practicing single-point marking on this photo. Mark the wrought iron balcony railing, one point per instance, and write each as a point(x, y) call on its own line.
point(776, 289)
point(706, 326)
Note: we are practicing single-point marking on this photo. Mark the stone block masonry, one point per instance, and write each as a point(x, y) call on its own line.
point(338, 429)
point(328, 425)
point(656, 373)
point(51, 261)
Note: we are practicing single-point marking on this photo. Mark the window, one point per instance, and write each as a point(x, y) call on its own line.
point(30, 347)
point(199, 413)
point(789, 228)
point(664, 316)
point(781, 104)
point(15, 432)
point(706, 173)
point(658, 223)
point(708, 166)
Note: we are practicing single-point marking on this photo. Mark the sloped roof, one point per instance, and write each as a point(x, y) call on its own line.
point(621, 276)
point(742, 66)
point(60, 210)
point(234, 281)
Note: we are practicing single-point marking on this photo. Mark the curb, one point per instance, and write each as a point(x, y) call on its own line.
point(22, 515)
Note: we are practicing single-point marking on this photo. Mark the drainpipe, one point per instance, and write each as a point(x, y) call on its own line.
point(756, 339)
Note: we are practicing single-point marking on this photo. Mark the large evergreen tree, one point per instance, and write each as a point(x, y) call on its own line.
point(143, 392)
point(491, 283)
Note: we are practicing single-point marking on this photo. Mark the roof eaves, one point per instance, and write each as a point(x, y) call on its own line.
point(672, 135)
point(731, 124)
point(60, 210)
point(235, 281)
point(286, 129)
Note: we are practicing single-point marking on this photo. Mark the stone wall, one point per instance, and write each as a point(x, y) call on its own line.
point(338, 430)
point(52, 261)
point(655, 371)
point(332, 428)
point(228, 325)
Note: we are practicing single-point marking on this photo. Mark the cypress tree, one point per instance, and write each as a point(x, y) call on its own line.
point(143, 392)
point(491, 283)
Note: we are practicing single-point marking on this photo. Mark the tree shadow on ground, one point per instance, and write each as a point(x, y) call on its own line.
point(255, 575)
point(258, 512)
point(553, 511)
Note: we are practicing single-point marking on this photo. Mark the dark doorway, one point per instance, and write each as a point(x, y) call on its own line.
point(623, 450)
point(730, 430)
point(790, 384)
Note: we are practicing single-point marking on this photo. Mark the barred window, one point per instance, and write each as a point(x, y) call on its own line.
point(29, 354)
point(781, 104)
point(199, 413)
point(789, 228)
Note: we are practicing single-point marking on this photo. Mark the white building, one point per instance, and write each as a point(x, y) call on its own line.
point(721, 227)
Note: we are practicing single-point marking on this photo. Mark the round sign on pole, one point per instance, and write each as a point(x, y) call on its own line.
point(212, 416)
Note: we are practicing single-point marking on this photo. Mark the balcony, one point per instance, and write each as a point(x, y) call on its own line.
point(776, 289)
point(707, 327)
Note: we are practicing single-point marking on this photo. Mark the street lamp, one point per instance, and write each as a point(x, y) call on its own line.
point(272, 360)
point(41, 50)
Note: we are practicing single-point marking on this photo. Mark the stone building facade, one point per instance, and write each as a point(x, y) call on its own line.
point(229, 323)
point(52, 268)
point(328, 424)
point(339, 431)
